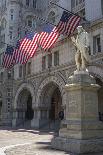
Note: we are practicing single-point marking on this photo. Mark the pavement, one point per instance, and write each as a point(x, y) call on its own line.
point(28, 142)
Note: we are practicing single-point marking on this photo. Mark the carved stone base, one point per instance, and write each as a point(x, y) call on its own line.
point(83, 132)
point(78, 146)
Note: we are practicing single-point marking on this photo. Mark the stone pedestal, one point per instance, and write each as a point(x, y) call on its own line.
point(83, 132)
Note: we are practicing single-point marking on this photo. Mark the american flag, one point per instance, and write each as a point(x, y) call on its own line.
point(26, 48)
point(48, 36)
point(8, 57)
point(68, 23)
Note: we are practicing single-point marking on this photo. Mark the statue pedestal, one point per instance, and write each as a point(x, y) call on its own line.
point(83, 132)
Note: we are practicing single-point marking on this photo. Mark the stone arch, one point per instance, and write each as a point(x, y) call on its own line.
point(27, 86)
point(96, 72)
point(60, 83)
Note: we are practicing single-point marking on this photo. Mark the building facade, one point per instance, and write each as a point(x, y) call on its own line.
point(34, 92)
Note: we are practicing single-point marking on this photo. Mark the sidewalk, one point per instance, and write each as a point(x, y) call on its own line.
point(28, 142)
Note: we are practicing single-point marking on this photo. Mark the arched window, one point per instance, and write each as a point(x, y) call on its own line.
point(51, 17)
point(30, 22)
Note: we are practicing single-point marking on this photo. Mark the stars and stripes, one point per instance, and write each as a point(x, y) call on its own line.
point(8, 57)
point(26, 48)
point(48, 36)
point(68, 23)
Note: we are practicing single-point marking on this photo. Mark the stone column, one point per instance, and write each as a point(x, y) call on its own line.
point(14, 120)
point(83, 132)
point(36, 118)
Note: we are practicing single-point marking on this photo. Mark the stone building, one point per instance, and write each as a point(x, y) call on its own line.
point(34, 92)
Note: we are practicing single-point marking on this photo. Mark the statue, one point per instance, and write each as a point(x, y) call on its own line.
point(81, 42)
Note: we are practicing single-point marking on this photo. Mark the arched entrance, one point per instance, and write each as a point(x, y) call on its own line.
point(51, 105)
point(56, 102)
point(24, 107)
point(29, 111)
point(100, 99)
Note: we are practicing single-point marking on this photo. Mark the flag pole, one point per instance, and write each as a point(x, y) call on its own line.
point(67, 10)
point(45, 20)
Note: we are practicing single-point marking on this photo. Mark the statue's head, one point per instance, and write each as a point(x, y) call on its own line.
point(80, 29)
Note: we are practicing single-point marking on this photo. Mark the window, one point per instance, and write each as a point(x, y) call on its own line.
point(27, 2)
point(24, 70)
point(49, 60)
point(43, 62)
point(29, 68)
point(82, 13)
point(12, 10)
point(56, 58)
point(8, 104)
point(51, 17)
point(9, 75)
point(1, 74)
point(34, 3)
point(12, 17)
point(96, 44)
point(8, 92)
point(76, 2)
point(11, 35)
point(20, 71)
point(19, 33)
point(73, 3)
point(29, 23)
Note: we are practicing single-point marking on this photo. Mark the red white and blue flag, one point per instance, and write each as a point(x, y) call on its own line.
point(8, 57)
point(26, 48)
point(48, 36)
point(68, 23)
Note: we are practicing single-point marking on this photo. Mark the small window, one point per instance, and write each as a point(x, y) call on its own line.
point(9, 75)
point(20, 71)
point(43, 62)
point(12, 17)
point(34, 3)
point(30, 23)
point(29, 68)
point(96, 44)
point(1, 76)
point(73, 3)
point(49, 60)
point(51, 17)
point(24, 70)
point(27, 2)
point(56, 58)
point(8, 92)
point(11, 35)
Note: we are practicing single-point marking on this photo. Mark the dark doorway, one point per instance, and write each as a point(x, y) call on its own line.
point(0, 106)
point(29, 112)
point(56, 102)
